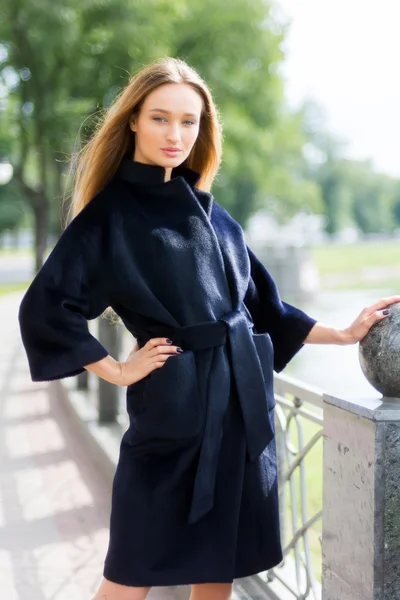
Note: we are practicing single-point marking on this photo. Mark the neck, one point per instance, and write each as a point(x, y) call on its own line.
point(168, 171)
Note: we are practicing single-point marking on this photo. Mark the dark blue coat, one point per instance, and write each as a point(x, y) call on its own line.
point(195, 492)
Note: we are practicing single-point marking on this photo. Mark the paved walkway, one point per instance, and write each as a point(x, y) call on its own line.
point(54, 503)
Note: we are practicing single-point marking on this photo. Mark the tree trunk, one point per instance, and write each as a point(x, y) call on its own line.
point(41, 227)
point(63, 210)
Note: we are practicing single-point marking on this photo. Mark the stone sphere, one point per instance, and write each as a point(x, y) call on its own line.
point(379, 354)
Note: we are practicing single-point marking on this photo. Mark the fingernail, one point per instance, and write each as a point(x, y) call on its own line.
point(179, 350)
point(386, 311)
point(169, 341)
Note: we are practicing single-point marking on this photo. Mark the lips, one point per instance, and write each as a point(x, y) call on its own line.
point(171, 149)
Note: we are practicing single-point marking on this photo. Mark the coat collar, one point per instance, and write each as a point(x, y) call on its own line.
point(137, 172)
point(154, 175)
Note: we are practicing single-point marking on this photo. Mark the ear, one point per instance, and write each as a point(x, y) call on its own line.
point(132, 123)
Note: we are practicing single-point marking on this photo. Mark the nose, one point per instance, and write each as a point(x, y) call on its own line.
point(174, 133)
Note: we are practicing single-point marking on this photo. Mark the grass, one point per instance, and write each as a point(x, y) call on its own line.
point(20, 251)
point(16, 252)
point(9, 288)
point(391, 285)
point(347, 258)
point(359, 266)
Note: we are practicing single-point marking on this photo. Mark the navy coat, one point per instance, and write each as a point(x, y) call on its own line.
point(195, 491)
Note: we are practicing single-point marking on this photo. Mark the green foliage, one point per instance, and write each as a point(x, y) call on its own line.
point(238, 52)
point(396, 203)
point(63, 65)
point(353, 193)
point(11, 207)
point(70, 61)
point(335, 195)
point(396, 211)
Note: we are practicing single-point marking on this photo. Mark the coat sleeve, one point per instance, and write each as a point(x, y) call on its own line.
point(287, 325)
point(69, 289)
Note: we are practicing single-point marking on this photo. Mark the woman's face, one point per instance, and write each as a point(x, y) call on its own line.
point(167, 125)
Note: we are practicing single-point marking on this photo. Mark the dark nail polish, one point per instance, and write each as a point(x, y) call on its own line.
point(179, 350)
point(169, 341)
point(386, 312)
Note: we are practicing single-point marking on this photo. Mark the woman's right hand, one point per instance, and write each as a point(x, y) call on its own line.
point(142, 361)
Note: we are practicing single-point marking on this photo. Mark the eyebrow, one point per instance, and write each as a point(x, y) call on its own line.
point(168, 112)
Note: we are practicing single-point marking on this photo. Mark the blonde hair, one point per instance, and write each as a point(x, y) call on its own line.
point(99, 159)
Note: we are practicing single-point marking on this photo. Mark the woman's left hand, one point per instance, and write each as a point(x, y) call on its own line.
point(368, 316)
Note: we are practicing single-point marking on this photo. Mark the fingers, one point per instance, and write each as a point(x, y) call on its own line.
point(380, 304)
point(161, 350)
point(153, 355)
point(159, 360)
point(378, 315)
point(153, 342)
point(156, 347)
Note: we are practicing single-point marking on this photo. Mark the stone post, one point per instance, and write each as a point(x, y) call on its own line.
point(361, 499)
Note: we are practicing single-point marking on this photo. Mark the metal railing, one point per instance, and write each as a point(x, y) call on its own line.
point(299, 409)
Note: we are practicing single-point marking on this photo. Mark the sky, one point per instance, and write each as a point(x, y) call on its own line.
point(345, 55)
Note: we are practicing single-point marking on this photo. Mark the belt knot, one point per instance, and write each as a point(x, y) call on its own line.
point(233, 318)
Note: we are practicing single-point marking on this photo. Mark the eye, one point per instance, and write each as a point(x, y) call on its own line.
point(190, 122)
point(158, 119)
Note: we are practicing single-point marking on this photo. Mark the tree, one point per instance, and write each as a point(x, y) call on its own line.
point(238, 52)
point(352, 192)
point(11, 207)
point(396, 203)
point(61, 64)
point(373, 197)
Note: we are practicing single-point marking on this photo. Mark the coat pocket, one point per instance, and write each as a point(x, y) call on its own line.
point(265, 351)
point(166, 403)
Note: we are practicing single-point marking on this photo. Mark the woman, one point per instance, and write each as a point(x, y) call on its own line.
point(194, 496)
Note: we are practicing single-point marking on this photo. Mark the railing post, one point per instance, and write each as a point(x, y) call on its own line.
point(280, 455)
point(110, 337)
point(82, 381)
point(361, 499)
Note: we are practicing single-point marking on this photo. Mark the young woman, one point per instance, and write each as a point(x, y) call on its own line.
point(194, 497)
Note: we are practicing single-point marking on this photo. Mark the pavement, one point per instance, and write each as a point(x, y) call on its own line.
point(56, 470)
point(16, 268)
point(54, 500)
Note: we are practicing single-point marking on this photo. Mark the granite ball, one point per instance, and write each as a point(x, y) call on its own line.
point(379, 354)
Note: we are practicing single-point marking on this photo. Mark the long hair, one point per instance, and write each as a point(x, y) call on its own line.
point(99, 159)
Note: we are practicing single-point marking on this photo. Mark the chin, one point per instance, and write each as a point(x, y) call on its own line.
point(168, 162)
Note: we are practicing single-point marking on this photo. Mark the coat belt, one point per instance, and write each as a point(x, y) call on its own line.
point(251, 392)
